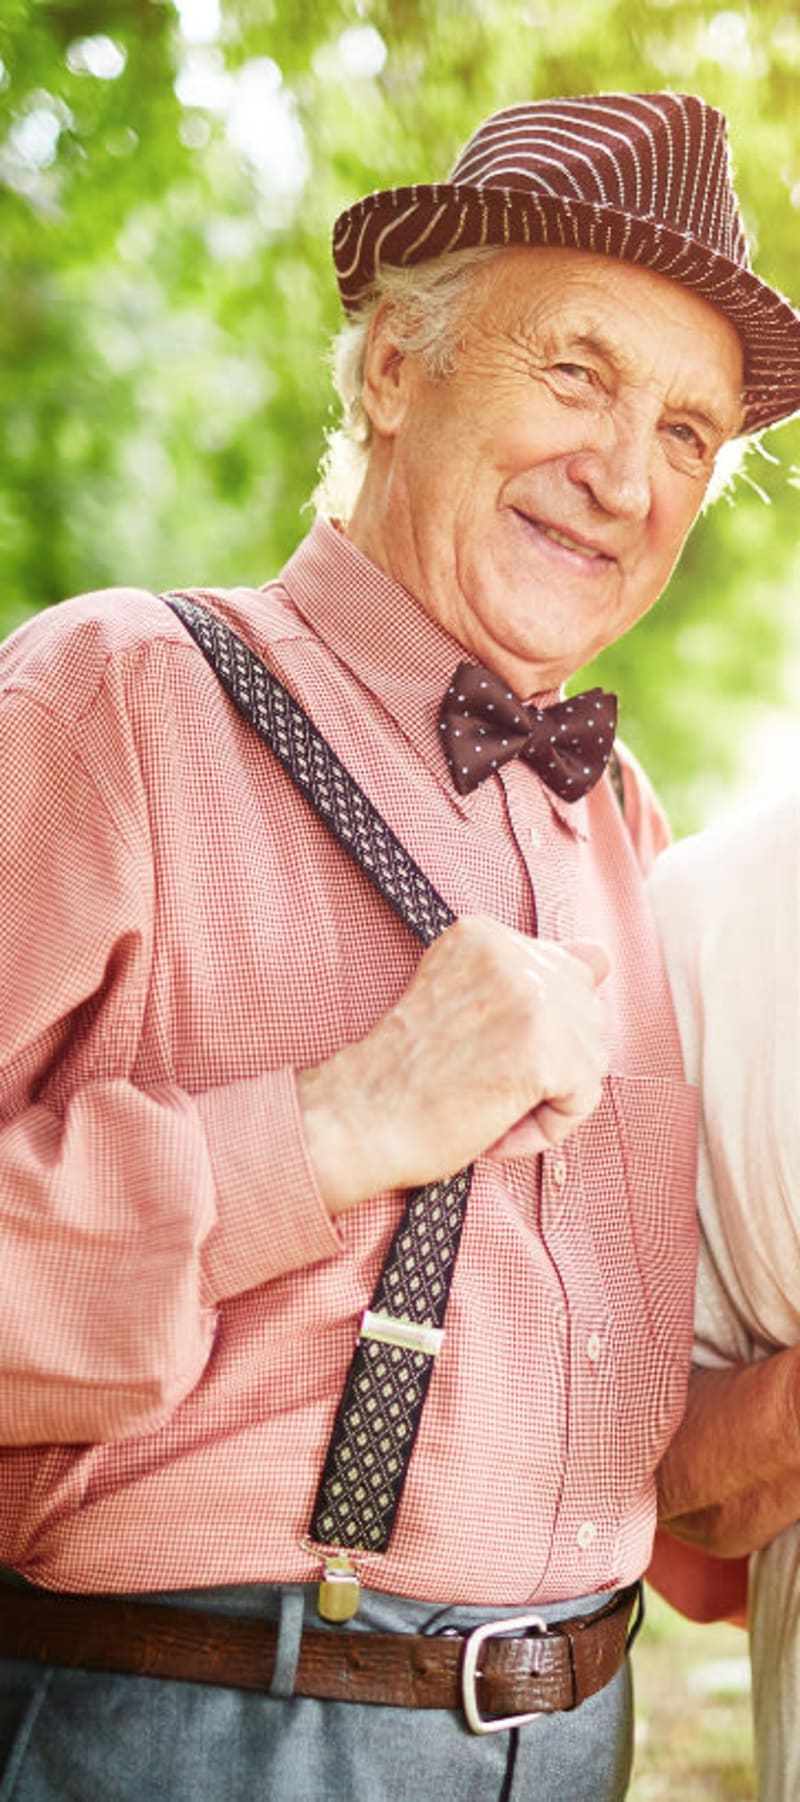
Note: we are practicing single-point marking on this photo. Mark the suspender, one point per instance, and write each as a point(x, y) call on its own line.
point(402, 1330)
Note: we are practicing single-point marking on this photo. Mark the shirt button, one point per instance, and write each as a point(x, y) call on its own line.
point(593, 1347)
point(560, 1171)
point(587, 1534)
point(536, 838)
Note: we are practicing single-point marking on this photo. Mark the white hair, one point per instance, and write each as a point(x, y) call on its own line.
point(429, 306)
point(429, 313)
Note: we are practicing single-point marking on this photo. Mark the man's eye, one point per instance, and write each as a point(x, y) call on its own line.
point(686, 434)
point(577, 372)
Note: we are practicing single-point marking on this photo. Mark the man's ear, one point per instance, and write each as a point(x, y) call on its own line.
point(388, 374)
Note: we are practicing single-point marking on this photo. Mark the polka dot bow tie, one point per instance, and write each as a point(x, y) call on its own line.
point(483, 725)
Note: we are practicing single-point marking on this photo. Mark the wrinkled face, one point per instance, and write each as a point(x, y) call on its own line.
point(536, 501)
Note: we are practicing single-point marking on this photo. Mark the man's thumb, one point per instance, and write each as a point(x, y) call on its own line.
point(592, 954)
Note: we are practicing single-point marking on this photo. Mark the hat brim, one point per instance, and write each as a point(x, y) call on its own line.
point(405, 226)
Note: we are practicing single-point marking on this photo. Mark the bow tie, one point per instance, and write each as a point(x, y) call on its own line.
point(484, 725)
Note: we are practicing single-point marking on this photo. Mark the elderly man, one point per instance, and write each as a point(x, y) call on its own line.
point(300, 1465)
point(728, 906)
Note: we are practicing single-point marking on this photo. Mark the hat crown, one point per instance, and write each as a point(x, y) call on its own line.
point(660, 157)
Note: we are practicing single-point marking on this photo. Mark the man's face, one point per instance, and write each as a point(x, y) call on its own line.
point(536, 501)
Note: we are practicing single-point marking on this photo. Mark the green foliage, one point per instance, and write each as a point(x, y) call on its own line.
point(694, 1737)
point(169, 173)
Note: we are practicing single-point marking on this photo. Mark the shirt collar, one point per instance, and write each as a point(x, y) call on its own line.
point(380, 631)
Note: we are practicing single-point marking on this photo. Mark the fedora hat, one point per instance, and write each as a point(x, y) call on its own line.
point(642, 177)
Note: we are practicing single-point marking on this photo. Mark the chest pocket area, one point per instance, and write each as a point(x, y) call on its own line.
point(656, 1123)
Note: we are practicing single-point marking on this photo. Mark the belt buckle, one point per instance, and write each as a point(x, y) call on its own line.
point(473, 1644)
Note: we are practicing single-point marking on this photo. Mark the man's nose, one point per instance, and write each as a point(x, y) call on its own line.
point(617, 471)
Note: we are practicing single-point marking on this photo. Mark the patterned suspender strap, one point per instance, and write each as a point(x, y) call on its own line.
point(402, 1330)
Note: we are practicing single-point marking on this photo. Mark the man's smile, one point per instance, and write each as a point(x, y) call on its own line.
point(568, 541)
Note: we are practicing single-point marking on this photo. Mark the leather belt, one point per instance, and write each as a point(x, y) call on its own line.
point(497, 1679)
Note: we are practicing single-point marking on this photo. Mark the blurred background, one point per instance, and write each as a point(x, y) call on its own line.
point(169, 174)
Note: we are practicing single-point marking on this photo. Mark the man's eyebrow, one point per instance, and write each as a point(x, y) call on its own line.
point(597, 345)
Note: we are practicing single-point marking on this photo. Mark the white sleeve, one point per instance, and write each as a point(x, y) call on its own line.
point(727, 904)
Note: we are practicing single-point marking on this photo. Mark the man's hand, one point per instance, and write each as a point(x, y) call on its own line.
point(730, 1480)
point(497, 1045)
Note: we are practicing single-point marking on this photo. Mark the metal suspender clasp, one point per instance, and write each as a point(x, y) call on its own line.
point(339, 1591)
point(409, 1335)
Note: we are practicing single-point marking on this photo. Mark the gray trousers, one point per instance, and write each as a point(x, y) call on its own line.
point(73, 1736)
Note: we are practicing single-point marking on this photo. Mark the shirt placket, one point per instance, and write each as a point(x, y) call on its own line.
point(583, 1522)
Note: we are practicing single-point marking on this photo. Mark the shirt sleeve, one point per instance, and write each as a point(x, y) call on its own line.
point(727, 904)
point(127, 1210)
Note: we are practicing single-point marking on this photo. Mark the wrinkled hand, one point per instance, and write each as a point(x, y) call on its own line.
point(497, 1045)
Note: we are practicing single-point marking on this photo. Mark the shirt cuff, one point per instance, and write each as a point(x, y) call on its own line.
point(271, 1218)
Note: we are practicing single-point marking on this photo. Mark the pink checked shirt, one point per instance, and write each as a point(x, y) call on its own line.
point(178, 934)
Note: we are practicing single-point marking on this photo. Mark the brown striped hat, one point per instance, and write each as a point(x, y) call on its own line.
point(643, 177)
